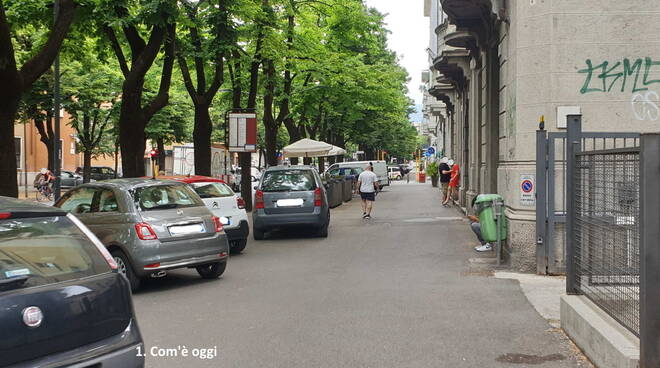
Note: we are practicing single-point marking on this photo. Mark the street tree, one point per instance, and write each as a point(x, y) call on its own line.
point(206, 35)
point(149, 30)
point(17, 80)
point(92, 98)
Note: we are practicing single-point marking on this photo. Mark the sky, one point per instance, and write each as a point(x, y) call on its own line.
point(409, 37)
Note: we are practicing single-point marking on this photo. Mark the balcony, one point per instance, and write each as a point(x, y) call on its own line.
point(465, 12)
point(461, 39)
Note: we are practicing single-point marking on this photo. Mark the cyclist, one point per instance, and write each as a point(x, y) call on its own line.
point(47, 178)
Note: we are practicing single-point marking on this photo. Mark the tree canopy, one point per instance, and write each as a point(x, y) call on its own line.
point(167, 70)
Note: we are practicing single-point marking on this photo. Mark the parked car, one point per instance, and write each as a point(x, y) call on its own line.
point(340, 172)
point(100, 173)
point(380, 169)
point(290, 196)
point(69, 179)
point(63, 303)
point(225, 204)
point(394, 173)
point(150, 226)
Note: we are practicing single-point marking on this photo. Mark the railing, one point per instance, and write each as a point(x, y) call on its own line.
point(606, 231)
point(613, 232)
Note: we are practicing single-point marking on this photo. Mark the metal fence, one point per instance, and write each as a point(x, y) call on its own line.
point(606, 231)
point(613, 232)
point(551, 190)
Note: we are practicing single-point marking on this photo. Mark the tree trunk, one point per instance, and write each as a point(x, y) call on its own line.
point(87, 164)
point(321, 164)
point(116, 156)
point(161, 153)
point(8, 170)
point(202, 140)
point(245, 160)
point(131, 141)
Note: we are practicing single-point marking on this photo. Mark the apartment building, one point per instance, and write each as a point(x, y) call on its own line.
point(497, 66)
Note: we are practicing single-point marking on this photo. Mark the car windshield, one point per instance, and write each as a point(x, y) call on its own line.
point(44, 250)
point(212, 190)
point(160, 197)
point(288, 181)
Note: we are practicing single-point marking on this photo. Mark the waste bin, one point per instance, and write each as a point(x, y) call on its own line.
point(346, 189)
point(421, 177)
point(337, 191)
point(490, 209)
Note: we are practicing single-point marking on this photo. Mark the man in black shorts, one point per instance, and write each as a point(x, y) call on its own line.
point(367, 185)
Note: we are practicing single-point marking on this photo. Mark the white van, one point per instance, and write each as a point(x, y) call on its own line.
point(380, 169)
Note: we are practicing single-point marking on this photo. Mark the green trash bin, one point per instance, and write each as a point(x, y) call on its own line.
point(490, 210)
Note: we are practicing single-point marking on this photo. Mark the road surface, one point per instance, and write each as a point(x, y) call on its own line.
point(393, 291)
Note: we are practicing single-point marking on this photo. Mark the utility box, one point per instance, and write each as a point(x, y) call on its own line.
point(490, 210)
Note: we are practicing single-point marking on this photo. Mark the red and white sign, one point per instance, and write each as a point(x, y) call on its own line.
point(527, 190)
point(242, 132)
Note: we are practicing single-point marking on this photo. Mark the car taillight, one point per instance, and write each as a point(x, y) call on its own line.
point(259, 199)
point(240, 202)
point(218, 224)
point(5, 215)
point(145, 232)
point(318, 198)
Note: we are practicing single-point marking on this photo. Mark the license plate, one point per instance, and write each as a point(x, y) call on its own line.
point(296, 202)
point(187, 229)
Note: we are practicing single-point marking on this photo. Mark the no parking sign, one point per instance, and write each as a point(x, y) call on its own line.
point(527, 189)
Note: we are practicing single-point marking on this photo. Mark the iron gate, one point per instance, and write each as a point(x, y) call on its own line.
point(551, 154)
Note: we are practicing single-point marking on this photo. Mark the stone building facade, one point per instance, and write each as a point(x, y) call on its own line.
point(499, 65)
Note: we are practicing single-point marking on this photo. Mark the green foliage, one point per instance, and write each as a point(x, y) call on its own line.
point(335, 79)
point(432, 168)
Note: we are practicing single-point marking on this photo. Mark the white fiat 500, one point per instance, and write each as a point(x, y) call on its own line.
point(225, 204)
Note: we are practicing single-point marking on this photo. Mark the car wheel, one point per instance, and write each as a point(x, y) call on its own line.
point(258, 234)
point(323, 230)
point(124, 268)
point(237, 246)
point(398, 177)
point(212, 270)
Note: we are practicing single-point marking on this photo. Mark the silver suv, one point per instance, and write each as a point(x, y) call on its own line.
point(150, 226)
point(290, 196)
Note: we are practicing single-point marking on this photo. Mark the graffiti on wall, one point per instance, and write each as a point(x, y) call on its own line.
point(645, 106)
point(623, 76)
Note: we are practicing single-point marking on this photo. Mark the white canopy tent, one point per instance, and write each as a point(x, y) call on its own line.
point(307, 148)
point(336, 151)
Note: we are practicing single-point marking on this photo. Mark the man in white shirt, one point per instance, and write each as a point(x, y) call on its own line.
point(367, 186)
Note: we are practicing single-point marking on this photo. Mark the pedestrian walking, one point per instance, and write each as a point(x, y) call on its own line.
point(367, 185)
point(453, 182)
point(445, 177)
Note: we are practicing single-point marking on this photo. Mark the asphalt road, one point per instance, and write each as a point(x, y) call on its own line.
point(393, 291)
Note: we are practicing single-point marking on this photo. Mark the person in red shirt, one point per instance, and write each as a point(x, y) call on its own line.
point(453, 182)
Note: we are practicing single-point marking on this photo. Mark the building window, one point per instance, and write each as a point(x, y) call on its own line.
point(19, 157)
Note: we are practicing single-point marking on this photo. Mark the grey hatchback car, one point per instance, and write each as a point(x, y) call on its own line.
point(150, 226)
point(290, 196)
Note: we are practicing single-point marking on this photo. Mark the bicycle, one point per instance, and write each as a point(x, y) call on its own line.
point(44, 193)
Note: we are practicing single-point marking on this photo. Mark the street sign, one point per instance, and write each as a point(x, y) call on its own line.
point(527, 190)
point(430, 151)
point(242, 132)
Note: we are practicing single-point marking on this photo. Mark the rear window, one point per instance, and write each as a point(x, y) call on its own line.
point(46, 250)
point(212, 190)
point(288, 181)
point(162, 197)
